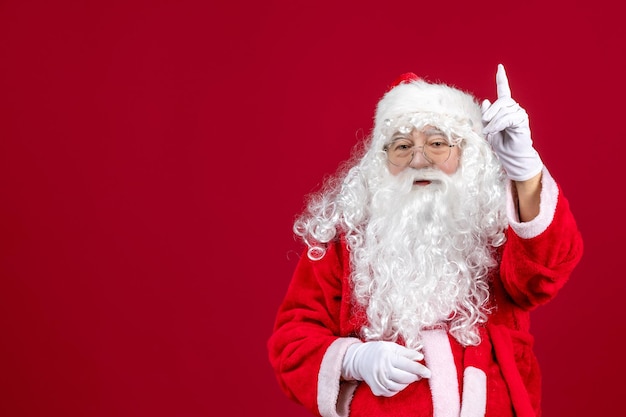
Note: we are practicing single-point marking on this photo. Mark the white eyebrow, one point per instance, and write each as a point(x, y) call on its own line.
point(433, 132)
point(399, 136)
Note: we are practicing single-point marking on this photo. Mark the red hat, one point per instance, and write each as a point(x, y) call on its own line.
point(404, 78)
point(411, 95)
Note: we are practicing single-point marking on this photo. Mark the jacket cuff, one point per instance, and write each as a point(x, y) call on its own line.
point(333, 395)
point(547, 208)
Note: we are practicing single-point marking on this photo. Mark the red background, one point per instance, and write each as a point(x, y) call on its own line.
point(153, 155)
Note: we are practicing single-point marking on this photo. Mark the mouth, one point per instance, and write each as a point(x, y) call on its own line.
point(421, 183)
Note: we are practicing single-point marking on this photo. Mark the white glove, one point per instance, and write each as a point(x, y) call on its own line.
point(386, 367)
point(508, 132)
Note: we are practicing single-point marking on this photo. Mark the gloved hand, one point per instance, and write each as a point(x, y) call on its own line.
point(386, 367)
point(508, 132)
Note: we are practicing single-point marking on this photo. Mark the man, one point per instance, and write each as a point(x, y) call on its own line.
point(423, 261)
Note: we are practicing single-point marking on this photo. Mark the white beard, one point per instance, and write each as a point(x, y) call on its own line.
point(423, 261)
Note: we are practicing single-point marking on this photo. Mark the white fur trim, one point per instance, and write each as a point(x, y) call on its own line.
point(333, 396)
point(474, 393)
point(444, 384)
point(547, 208)
point(420, 96)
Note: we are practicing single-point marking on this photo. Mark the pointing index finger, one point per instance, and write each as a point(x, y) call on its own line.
point(502, 83)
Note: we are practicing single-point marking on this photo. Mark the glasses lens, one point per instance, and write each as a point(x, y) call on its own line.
point(400, 152)
point(437, 150)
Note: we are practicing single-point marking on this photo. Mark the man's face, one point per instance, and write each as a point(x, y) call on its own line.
point(426, 148)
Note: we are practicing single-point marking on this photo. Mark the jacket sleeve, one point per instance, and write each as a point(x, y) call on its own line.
point(306, 349)
point(540, 255)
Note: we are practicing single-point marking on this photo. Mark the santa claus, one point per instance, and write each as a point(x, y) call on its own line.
point(424, 257)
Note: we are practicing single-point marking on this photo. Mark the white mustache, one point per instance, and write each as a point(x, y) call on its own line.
point(429, 175)
point(407, 178)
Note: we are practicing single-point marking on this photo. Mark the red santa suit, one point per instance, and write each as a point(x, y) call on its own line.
point(317, 321)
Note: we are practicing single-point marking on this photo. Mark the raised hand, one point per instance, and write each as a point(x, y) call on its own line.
point(507, 129)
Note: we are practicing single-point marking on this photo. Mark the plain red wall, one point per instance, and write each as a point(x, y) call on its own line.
point(153, 155)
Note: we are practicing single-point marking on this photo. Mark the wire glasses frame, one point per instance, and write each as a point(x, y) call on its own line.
point(401, 151)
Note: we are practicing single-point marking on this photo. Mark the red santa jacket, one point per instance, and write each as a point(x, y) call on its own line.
point(317, 322)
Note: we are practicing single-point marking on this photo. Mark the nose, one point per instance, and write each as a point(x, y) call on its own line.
point(419, 160)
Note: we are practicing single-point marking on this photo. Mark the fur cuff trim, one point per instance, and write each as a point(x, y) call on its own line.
point(333, 396)
point(547, 208)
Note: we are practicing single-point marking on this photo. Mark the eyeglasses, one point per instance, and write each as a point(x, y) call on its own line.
point(401, 151)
